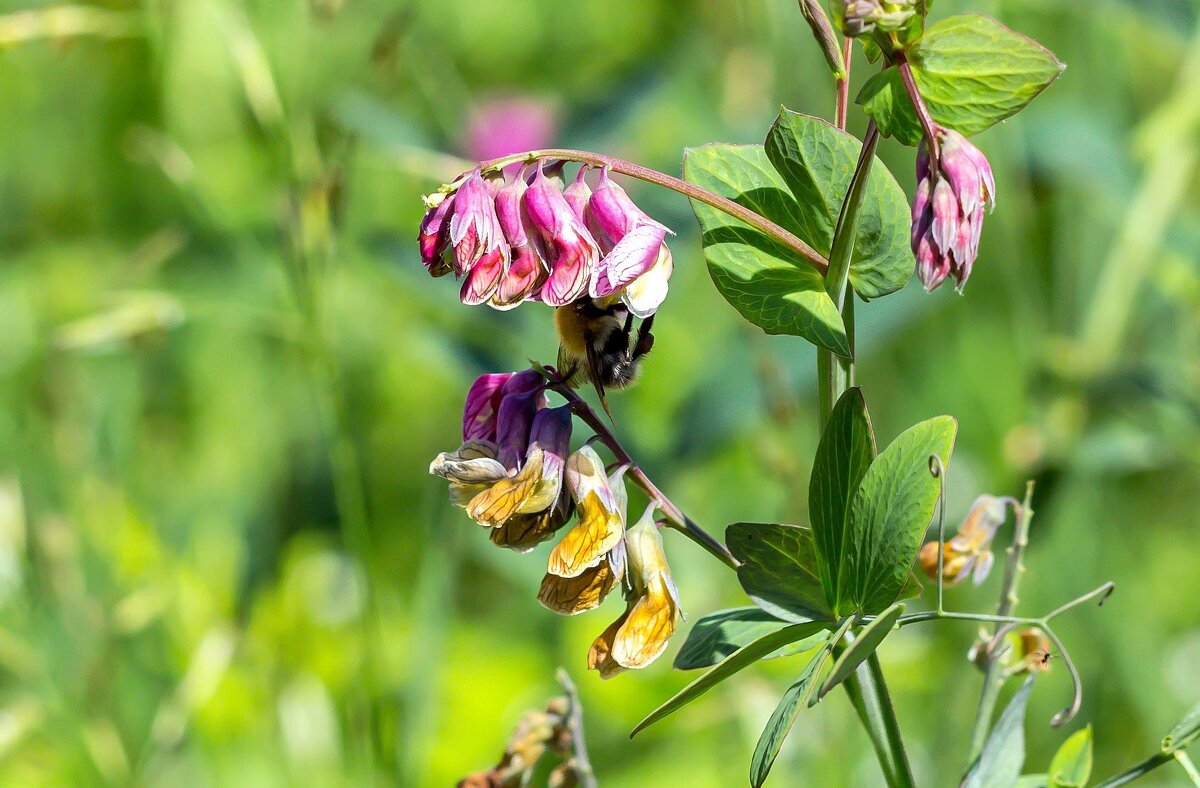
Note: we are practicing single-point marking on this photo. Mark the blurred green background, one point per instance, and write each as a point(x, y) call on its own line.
point(223, 373)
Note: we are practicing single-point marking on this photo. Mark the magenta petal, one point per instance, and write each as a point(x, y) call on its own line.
point(482, 406)
point(578, 194)
point(484, 277)
point(946, 216)
point(571, 274)
point(630, 258)
point(526, 273)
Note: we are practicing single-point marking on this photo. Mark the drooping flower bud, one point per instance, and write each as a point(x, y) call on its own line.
point(568, 247)
point(527, 271)
point(477, 239)
point(632, 241)
point(947, 211)
point(434, 236)
point(969, 552)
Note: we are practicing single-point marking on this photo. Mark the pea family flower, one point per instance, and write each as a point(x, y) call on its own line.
point(480, 250)
point(511, 461)
point(640, 635)
point(568, 247)
point(947, 212)
point(634, 244)
point(969, 551)
point(589, 561)
point(527, 269)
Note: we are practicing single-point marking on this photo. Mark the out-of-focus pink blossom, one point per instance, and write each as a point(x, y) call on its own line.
point(502, 126)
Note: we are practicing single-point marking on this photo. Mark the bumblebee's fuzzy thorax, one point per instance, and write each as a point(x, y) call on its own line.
point(598, 343)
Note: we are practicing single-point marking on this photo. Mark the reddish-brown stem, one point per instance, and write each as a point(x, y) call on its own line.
point(843, 86)
point(914, 95)
point(674, 515)
point(723, 204)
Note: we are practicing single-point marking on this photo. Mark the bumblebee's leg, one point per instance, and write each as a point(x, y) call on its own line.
point(645, 339)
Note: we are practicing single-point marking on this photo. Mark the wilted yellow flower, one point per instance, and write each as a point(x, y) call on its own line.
point(969, 551)
point(600, 501)
point(640, 635)
point(571, 595)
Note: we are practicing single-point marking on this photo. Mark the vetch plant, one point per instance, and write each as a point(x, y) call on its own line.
point(796, 232)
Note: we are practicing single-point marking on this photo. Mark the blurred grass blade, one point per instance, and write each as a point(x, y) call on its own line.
point(63, 22)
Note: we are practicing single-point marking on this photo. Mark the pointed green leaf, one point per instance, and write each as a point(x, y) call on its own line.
point(999, 765)
point(767, 283)
point(817, 162)
point(846, 450)
point(779, 569)
point(891, 510)
point(717, 635)
point(743, 657)
point(777, 728)
point(863, 646)
point(1071, 766)
point(1184, 732)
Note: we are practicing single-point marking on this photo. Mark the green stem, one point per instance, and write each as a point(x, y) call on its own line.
point(836, 373)
point(1186, 763)
point(867, 688)
point(864, 696)
point(723, 204)
point(674, 515)
point(903, 772)
point(994, 673)
point(1136, 771)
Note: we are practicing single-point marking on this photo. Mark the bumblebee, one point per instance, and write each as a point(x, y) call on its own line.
point(598, 344)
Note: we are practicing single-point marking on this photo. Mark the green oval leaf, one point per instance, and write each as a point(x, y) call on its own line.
point(765, 282)
point(891, 510)
point(846, 450)
point(999, 765)
point(743, 657)
point(886, 102)
point(863, 646)
point(973, 73)
point(1071, 766)
point(717, 635)
point(779, 569)
point(789, 706)
point(817, 162)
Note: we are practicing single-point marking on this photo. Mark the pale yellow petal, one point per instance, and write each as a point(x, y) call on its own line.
point(644, 635)
point(597, 532)
point(494, 506)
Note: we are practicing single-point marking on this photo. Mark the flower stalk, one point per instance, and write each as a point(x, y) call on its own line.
point(634, 473)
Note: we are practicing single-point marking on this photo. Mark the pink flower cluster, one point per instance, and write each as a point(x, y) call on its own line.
point(533, 240)
point(947, 213)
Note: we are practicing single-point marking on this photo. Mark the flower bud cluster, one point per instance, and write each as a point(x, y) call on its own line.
point(947, 212)
point(532, 240)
